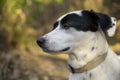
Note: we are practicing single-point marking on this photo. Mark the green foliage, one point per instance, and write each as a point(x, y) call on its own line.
point(59, 1)
point(2, 3)
point(18, 3)
point(12, 5)
point(49, 1)
point(44, 1)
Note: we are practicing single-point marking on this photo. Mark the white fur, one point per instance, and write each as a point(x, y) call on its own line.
point(57, 37)
point(111, 31)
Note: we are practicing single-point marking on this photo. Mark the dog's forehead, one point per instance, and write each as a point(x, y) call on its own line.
point(75, 12)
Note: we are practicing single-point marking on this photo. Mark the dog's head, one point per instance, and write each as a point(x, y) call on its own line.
point(74, 28)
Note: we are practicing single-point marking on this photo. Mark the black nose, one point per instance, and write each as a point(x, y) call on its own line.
point(41, 42)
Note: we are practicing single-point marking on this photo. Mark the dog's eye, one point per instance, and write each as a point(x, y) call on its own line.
point(55, 25)
point(65, 26)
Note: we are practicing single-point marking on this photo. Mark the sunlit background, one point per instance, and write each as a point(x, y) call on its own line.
point(22, 22)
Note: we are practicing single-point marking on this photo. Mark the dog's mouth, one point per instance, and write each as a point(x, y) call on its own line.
point(56, 51)
point(65, 49)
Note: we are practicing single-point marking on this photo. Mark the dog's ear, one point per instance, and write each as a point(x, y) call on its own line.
point(107, 24)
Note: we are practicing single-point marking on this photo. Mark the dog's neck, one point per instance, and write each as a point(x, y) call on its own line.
point(80, 56)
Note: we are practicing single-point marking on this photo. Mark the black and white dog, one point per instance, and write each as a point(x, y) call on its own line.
point(82, 35)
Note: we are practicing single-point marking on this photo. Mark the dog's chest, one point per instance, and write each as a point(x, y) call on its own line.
point(91, 76)
point(83, 76)
point(99, 73)
point(96, 74)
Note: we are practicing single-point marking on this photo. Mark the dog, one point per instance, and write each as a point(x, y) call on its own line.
point(82, 35)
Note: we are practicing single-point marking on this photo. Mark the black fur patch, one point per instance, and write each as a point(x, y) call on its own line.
point(105, 22)
point(55, 25)
point(86, 22)
point(90, 75)
point(83, 78)
point(93, 48)
point(89, 21)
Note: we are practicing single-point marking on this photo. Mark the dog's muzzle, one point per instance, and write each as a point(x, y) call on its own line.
point(42, 43)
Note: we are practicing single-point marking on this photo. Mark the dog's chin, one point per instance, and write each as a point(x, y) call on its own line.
point(57, 51)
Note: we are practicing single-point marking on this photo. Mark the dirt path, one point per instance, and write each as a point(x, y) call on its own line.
point(15, 65)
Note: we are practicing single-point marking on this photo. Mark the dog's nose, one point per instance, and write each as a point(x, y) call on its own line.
point(41, 42)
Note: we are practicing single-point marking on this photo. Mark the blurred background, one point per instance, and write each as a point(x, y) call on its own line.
point(22, 22)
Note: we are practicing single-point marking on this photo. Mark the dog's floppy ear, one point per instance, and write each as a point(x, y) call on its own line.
point(107, 24)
